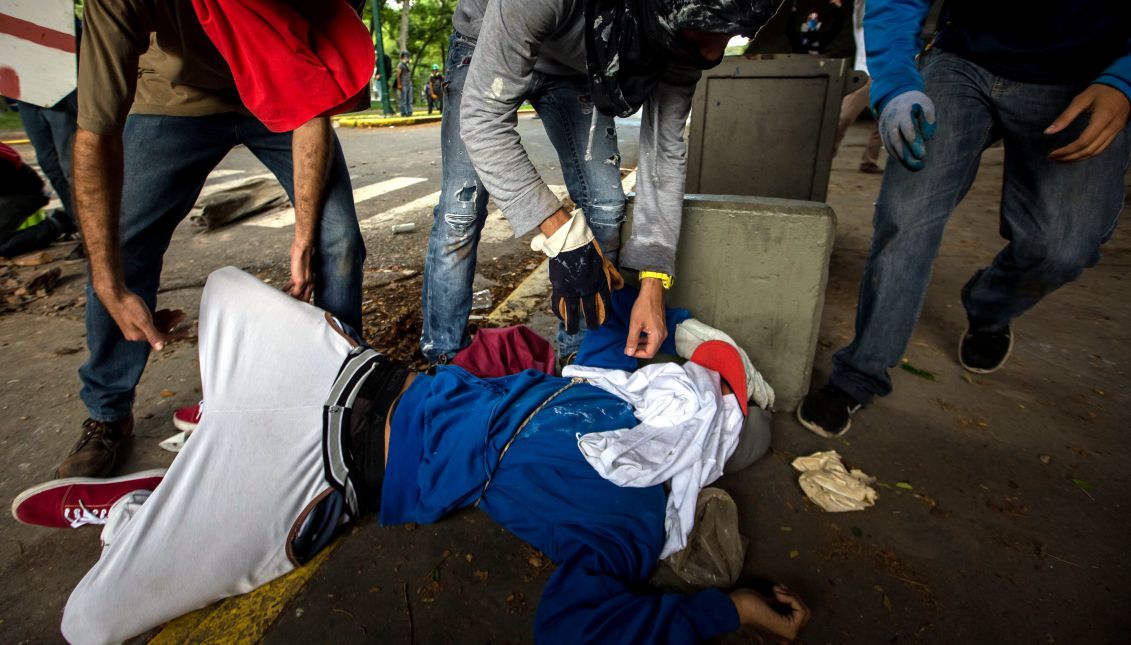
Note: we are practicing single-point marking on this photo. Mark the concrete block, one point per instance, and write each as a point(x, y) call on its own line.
point(756, 267)
point(767, 126)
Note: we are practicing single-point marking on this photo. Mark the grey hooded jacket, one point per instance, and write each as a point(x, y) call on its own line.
point(515, 40)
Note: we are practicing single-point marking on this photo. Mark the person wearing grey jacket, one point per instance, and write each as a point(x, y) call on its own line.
point(580, 63)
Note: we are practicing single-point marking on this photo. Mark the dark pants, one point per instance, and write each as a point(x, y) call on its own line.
point(1054, 216)
point(167, 160)
point(52, 134)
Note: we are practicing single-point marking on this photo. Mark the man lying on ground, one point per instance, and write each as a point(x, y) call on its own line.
point(277, 466)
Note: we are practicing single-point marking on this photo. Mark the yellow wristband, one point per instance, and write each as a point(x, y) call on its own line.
point(665, 279)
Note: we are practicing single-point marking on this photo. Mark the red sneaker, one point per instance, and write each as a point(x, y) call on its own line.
point(186, 419)
point(63, 503)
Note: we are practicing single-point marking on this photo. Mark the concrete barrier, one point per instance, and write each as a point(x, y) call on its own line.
point(756, 267)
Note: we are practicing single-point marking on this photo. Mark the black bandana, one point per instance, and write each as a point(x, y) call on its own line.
point(630, 43)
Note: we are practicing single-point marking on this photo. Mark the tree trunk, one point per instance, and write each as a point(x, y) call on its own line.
point(402, 42)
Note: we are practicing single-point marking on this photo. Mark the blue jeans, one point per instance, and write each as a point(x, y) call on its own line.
point(406, 100)
point(565, 107)
point(52, 134)
point(1054, 216)
point(167, 160)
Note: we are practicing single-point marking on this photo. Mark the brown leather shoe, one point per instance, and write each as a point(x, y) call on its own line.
point(96, 450)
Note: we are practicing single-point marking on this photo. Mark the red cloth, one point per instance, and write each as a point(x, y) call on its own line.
point(290, 65)
point(9, 156)
point(722, 357)
point(505, 351)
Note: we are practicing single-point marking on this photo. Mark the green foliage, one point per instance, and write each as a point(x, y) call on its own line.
point(429, 25)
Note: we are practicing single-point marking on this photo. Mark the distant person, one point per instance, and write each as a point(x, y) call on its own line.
point(436, 90)
point(579, 79)
point(813, 24)
point(1053, 84)
point(403, 85)
point(51, 131)
point(137, 176)
point(854, 103)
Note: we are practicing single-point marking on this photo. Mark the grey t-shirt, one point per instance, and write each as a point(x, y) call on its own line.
point(516, 39)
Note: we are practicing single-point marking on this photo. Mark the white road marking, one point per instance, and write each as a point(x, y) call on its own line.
point(286, 217)
point(231, 183)
point(428, 201)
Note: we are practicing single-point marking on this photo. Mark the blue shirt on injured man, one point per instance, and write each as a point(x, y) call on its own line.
point(605, 539)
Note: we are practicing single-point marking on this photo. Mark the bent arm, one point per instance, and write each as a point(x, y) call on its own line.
point(501, 72)
point(891, 37)
point(661, 175)
point(588, 601)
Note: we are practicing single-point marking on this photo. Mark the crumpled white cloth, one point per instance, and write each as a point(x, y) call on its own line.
point(687, 431)
point(830, 485)
point(692, 333)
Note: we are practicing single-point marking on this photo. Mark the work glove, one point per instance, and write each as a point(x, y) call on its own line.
point(580, 277)
point(907, 122)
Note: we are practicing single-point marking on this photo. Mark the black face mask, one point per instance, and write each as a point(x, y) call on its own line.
point(629, 43)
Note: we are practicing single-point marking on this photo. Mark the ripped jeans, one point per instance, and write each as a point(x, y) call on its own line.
point(458, 219)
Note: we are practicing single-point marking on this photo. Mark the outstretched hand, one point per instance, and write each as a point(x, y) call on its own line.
point(754, 611)
point(1108, 109)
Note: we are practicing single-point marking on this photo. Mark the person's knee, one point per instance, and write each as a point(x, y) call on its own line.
point(1054, 264)
point(605, 214)
point(343, 248)
point(460, 211)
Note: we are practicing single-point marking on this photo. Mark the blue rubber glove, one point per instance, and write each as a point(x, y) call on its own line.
point(907, 123)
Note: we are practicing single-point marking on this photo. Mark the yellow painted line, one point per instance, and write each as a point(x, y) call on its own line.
point(369, 120)
point(16, 142)
point(242, 619)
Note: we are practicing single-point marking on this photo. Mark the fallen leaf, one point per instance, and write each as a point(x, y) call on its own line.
point(375, 590)
point(794, 554)
point(921, 373)
point(167, 393)
point(966, 377)
point(1046, 459)
point(480, 575)
point(536, 561)
point(787, 529)
point(469, 557)
point(887, 602)
point(1083, 485)
point(1098, 391)
point(904, 486)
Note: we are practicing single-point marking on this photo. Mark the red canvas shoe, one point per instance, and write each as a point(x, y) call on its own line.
point(186, 419)
point(73, 502)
